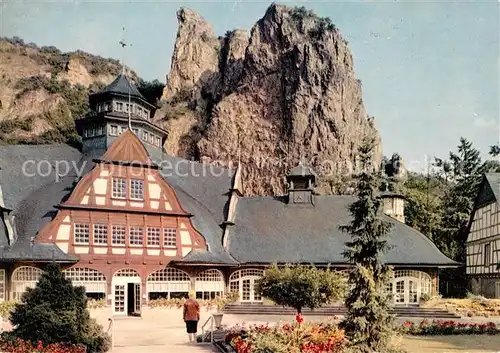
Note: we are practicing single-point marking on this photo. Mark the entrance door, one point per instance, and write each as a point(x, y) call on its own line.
point(119, 298)
point(406, 291)
point(247, 293)
point(137, 298)
point(413, 297)
point(399, 292)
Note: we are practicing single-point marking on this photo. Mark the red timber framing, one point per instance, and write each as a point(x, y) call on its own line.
point(123, 214)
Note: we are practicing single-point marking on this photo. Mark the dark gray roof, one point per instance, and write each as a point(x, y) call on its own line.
point(18, 182)
point(198, 256)
point(494, 180)
point(269, 230)
point(35, 252)
point(4, 235)
point(122, 85)
point(34, 194)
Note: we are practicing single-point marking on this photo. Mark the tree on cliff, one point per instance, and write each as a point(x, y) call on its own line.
point(368, 324)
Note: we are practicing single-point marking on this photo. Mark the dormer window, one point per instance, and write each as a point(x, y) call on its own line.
point(145, 136)
point(152, 139)
point(158, 142)
point(118, 106)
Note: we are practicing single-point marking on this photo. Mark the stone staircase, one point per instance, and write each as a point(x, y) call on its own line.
point(263, 309)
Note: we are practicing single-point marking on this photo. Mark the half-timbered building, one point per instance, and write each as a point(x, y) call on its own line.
point(131, 223)
point(483, 241)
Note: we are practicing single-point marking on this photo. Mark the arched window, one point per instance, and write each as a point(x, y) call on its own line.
point(209, 284)
point(409, 285)
point(24, 277)
point(168, 283)
point(93, 281)
point(126, 272)
point(243, 283)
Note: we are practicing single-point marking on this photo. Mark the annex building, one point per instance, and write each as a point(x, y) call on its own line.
point(483, 241)
point(131, 223)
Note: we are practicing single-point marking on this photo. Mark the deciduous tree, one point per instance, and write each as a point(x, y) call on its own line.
point(301, 287)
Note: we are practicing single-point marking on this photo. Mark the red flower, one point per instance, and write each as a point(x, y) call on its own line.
point(299, 318)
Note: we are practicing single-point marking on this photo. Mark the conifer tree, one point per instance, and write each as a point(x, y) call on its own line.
point(368, 324)
point(55, 312)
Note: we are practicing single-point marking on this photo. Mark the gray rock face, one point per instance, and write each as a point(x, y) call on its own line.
point(285, 93)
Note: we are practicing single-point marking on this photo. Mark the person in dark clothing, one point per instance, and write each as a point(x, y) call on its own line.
point(191, 317)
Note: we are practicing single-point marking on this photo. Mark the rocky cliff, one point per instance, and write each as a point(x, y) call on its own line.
point(43, 90)
point(286, 91)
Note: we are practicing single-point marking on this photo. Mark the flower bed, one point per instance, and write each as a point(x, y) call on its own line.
point(20, 346)
point(287, 338)
point(449, 327)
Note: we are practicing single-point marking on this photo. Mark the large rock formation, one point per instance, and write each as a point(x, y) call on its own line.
point(285, 93)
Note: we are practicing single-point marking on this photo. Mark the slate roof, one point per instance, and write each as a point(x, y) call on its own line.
point(268, 230)
point(34, 194)
point(122, 85)
point(4, 237)
point(493, 180)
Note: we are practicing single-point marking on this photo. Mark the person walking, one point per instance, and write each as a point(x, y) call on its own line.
point(191, 317)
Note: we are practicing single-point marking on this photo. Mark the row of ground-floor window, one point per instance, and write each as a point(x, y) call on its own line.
point(126, 290)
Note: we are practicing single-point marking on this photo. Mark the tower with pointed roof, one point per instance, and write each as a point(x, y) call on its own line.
point(108, 117)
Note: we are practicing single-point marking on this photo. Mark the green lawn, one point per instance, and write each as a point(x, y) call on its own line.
point(450, 344)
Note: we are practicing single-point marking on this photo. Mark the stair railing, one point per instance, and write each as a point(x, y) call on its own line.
point(111, 331)
point(212, 322)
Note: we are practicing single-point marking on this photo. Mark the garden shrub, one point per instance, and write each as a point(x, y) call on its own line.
point(302, 286)
point(55, 312)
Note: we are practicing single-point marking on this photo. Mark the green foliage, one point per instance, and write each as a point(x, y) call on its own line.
point(6, 308)
point(55, 311)
point(466, 169)
point(9, 126)
point(322, 25)
point(368, 324)
point(152, 91)
point(495, 150)
point(424, 206)
point(301, 286)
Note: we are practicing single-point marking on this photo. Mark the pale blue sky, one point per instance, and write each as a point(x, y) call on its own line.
point(430, 70)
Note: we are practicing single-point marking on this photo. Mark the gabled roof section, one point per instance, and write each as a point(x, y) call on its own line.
point(127, 148)
point(489, 190)
point(493, 180)
point(122, 85)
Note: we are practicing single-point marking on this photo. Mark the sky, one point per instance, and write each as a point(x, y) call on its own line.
point(430, 69)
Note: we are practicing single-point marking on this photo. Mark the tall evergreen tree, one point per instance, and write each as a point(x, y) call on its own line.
point(467, 170)
point(368, 324)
